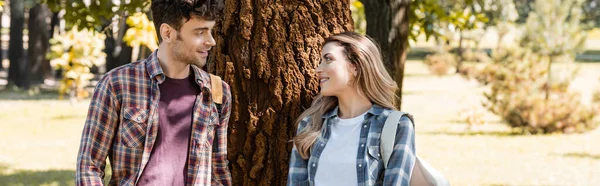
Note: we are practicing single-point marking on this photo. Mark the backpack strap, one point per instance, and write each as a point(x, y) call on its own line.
point(216, 88)
point(388, 136)
point(422, 173)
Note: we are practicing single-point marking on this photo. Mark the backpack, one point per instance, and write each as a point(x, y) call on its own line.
point(423, 173)
point(216, 87)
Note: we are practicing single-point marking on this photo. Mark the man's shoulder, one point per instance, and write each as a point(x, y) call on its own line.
point(133, 70)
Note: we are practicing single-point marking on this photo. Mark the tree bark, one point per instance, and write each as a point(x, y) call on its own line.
point(39, 43)
point(17, 72)
point(267, 52)
point(388, 24)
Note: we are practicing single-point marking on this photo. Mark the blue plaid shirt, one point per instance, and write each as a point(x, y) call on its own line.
point(369, 164)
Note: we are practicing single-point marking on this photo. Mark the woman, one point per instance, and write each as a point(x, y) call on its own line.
point(337, 141)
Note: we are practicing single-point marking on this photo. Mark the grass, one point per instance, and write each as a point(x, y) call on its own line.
point(493, 154)
point(39, 137)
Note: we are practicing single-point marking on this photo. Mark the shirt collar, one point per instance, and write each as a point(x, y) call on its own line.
point(156, 72)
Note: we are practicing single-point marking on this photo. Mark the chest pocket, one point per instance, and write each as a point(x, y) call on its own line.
point(134, 126)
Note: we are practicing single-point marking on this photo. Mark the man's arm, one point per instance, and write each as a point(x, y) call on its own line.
point(220, 171)
point(97, 137)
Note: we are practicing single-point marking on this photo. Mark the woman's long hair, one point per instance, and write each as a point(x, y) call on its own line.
point(372, 80)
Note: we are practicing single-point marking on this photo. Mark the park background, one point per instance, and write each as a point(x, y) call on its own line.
point(504, 92)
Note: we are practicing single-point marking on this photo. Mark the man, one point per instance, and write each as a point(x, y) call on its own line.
point(156, 119)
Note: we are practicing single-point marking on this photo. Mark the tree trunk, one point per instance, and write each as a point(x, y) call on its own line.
point(267, 51)
point(388, 24)
point(121, 54)
point(460, 52)
point(1, 48)
point(39, 43)
point(54, 23)
point(549, 77)
point(17, 72)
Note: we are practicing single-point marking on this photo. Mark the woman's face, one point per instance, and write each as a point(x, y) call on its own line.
point(335, 72)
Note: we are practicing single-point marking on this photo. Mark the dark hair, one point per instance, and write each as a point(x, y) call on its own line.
point(172, 12)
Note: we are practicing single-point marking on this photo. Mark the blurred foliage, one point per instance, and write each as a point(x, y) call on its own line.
point(553, 28)
point(74, 53)
point(590, 8)
point(517, 84)
point(500, 11)
point(95, 14)
point(439, 64)
point(431, 17)
point(358, 16)
point(522, 90)
point(141, 32)
point(2, 6)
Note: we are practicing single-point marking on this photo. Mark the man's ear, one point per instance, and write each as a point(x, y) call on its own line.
point(166, 32)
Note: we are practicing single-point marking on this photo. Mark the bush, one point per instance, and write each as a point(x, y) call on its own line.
point(75, 52)
point(440, 63)
point(518, 82)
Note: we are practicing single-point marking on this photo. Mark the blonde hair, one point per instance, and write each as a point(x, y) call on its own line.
point(372, 81)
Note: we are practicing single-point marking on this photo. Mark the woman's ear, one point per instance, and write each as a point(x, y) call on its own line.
point(353, 70)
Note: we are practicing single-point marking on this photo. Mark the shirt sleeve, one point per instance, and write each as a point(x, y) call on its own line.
point(403, 156)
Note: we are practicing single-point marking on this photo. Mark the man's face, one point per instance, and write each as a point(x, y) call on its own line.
point(193, 41)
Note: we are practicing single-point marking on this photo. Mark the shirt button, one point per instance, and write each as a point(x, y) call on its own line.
point(322, 144)
point(314, 164)
point(364, 126)
point(359, 165)
point(138, 119)
point(362, 145)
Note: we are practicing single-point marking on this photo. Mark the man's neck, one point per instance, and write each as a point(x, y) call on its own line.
point(172, 69)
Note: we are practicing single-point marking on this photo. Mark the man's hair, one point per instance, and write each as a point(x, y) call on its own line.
point(177, 12)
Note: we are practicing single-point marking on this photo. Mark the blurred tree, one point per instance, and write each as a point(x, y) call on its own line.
point(1, 15)
point(358, 16)
point(39, 43)
point(590, 15)
point(18, 71)
point(554, 29)
point(388, 24)
point(93, 14)
point(117, 51)
point(75, 52)
point(502, 14)
point(523, 9)
point(522, 90)
point(392, 23)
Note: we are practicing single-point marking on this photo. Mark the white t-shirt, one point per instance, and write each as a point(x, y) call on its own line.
point(337, 164)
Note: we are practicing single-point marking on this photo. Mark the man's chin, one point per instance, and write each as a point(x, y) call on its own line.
point(200, 63)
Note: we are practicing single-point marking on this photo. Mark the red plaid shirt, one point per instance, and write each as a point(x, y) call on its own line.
point(122, 124)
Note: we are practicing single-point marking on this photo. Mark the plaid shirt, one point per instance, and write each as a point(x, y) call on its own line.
point(122, 123)
point(369, 166)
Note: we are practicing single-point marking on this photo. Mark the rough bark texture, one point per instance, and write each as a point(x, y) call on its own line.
point(267, 51)
point(17, 71)
point(39, 43)
point(387, 23)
